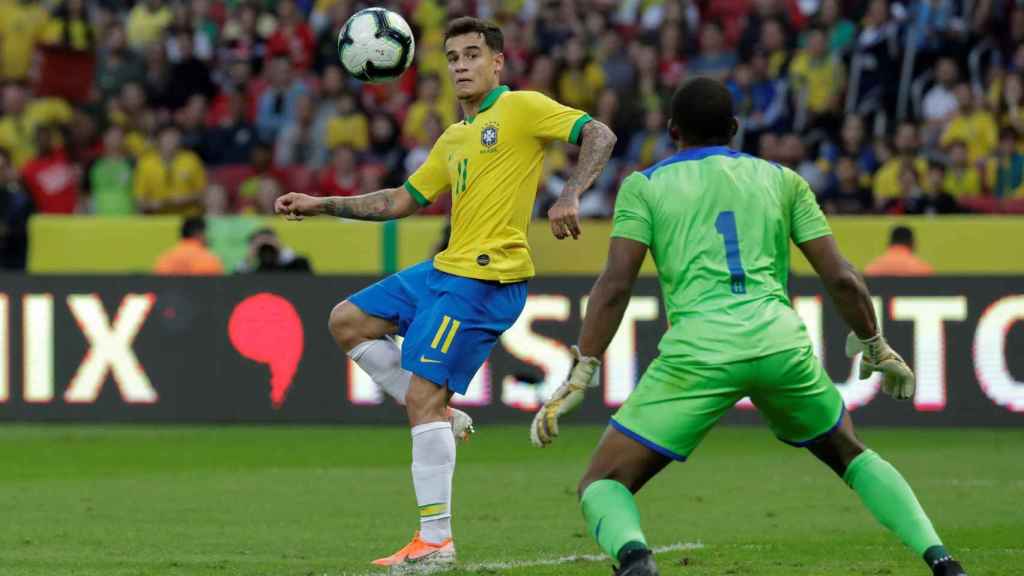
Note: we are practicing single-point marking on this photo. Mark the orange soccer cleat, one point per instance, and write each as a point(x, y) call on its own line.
point(419, 556)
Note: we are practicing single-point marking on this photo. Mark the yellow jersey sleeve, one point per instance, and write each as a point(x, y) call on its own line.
point(431, 179)
point(549, 119)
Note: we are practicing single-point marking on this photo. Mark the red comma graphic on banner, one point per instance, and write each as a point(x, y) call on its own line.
point(266, 328)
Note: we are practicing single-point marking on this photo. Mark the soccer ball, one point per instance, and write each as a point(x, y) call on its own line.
point(376, 45)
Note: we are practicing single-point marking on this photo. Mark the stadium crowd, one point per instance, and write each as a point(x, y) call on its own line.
point(217, 106)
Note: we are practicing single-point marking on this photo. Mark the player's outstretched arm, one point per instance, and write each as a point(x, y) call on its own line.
point(386, 204)
point(847, 289)
point(596, 145)
point(607, 304)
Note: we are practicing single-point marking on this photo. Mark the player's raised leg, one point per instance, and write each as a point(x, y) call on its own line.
point(618, 469)
point(363, 327)
point(886, 494)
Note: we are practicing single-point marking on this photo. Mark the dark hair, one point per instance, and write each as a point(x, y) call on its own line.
point(902, 236)
point(264, 231)
point(193, 226)
point(1008, 132)
point(702, 112)
point(493, 37)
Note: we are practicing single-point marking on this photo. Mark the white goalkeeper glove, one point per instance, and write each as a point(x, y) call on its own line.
point(566, 398)
point(897, 378)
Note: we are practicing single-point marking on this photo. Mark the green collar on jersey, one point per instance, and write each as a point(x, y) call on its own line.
point(489, 101)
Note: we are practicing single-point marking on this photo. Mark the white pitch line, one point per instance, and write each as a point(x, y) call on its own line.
point(514, 564)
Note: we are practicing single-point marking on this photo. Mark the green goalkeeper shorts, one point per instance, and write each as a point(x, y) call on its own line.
point(676, 404)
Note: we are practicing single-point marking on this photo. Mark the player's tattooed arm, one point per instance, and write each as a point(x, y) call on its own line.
point(386, 204)
point(596, 145)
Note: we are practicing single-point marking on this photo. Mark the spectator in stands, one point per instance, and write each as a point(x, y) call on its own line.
point(672, 55)
point(22, 116)
point(714, 58)
point(189, 75)
point(293, 37)
point(652, 144)
point(759, 101)
point(973, 124)
point(616, 62)
point(170, 180)
point(841, 32)
point(1005, 170)
point(190, 256)
point(146, 23)
point(130, 112)
point(432, 130)
point(581, 79)
point(385, 149)
point(852, 142)
point(159, 82)
point(428, 101)
point(818, 79)
point(963, 180)
point(341, 176)
point(543, 75)
point(300, 143)
point(887, 185)
point(191, 119)
point(773, 44)
point(69, 27)
point(277, 104)
point(117, 65)
point(182, 32)
point(899, 259)
point(231, 140)
point(326, 50)
point(245, 32)
point(256, 194)
point(237, 80)
point(21, 24)
point(940, 103)
point(332, 85)
point(847, 194)
point(793, 154)
point(1010, 107)
point(206, 28)
point(110, 178)
point(50, 177)
point(268, 255)
point(15, 209)
point(349, 126)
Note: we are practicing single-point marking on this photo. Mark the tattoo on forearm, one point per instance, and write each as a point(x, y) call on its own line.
point(373, 206)
point(596, 148)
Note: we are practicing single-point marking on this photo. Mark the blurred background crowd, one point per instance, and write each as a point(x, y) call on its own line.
point(214, 107)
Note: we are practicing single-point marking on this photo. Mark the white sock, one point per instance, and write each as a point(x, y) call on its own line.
point(433, 464)
point(382, 360)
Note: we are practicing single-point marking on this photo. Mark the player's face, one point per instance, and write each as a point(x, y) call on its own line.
point(474, 67)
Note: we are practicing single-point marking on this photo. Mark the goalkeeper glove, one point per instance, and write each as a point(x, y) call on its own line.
point(898, 379)
point(566, 398)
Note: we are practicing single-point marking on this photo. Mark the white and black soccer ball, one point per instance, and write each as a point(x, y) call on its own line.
point(376, 45)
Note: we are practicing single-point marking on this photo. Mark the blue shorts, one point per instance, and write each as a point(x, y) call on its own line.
point(450, 323)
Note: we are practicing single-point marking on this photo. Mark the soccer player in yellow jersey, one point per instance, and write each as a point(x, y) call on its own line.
point(451, 310)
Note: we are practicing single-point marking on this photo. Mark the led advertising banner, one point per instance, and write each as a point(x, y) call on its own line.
point(257, 349)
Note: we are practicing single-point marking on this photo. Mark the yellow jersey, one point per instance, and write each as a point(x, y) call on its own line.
point(492, 162)
point(184, 178)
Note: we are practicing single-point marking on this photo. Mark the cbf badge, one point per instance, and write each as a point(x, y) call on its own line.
point(489, 135)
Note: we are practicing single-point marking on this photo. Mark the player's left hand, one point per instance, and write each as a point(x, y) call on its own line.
point(898, 379)
point(564, 217)
point(566, 398)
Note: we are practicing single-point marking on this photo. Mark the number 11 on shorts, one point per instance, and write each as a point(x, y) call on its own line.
point(726, 226)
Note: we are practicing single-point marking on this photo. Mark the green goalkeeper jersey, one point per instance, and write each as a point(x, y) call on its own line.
point(718, 224)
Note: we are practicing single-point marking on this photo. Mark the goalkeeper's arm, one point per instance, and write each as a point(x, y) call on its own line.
point(610, 296)
point(850, 294)
point(607, 304)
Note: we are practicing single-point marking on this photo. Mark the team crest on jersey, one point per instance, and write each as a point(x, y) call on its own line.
point(489, 135)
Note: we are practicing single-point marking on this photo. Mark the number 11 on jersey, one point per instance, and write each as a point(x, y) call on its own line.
point(726, 226)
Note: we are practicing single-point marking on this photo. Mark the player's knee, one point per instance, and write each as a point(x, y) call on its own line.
point(344, 326)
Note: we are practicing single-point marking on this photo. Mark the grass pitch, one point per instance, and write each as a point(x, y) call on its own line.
point(284, 501)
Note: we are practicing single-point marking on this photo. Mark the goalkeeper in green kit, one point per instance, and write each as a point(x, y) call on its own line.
point(718, 224)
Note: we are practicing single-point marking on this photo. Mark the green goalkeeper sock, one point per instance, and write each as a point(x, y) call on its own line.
point(891, 501)
point(612, 517)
